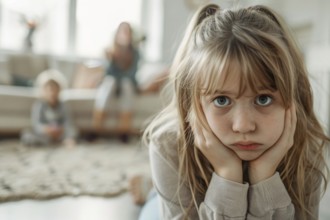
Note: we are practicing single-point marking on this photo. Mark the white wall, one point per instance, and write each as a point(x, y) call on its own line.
point(152, 20)
point(176, 18)
point(302, 15)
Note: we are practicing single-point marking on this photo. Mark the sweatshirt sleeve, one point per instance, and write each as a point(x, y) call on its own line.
point(269, 199)
point(36, 119)
point(223, 200)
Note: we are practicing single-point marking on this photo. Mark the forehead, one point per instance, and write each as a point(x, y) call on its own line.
point(238, 76)
point(228, 79)
point(51, 84)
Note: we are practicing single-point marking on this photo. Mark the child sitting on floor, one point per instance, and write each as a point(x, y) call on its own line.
point(51, 122)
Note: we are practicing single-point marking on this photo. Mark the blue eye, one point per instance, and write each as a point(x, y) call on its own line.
point(264, 100)
point(222, 101)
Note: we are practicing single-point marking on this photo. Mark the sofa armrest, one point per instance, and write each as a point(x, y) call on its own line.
point(16, 99)
point(20, 91)
point(15, 108)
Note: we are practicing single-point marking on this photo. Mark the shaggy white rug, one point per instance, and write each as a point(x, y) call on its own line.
point(98, 169)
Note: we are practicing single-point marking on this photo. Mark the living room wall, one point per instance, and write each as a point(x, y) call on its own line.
point(309, 20)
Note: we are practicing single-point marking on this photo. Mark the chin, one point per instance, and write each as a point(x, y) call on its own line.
point(248, 155)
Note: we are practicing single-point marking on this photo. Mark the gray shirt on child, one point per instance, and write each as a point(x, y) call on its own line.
point(45, 115)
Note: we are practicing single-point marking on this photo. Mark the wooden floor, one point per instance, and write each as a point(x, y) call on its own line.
point(68, 208)
point(91, 208)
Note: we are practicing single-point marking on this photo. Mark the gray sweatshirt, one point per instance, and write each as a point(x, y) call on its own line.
point(224, 199)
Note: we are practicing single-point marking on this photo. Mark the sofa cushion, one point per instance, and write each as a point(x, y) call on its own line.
point(16, 103)
point(17, 80)
point(81, 104)
point(16, 99)
point(88, 76)
point(148, 73)
point(5, 77)
point(27, 66)
point(66, 65)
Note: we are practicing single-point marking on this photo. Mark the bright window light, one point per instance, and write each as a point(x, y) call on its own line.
point(95, 22)
point(98, 20)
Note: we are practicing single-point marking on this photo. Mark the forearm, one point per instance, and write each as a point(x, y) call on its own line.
point(225, 199)
point(269, 199)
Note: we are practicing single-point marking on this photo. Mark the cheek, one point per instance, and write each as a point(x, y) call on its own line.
point(275, 131)
point(218, 123)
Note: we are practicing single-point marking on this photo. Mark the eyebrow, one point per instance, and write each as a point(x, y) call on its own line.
point(218, 92)
point(225, 92)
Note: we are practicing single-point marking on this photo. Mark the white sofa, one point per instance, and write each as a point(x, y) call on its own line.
point(16, 101)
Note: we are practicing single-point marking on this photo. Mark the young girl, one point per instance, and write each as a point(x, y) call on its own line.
point(240, 139)
point(51, 121)
point(120, 78)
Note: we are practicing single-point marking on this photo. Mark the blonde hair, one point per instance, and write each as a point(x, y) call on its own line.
point(257, 38)
point(51, 75)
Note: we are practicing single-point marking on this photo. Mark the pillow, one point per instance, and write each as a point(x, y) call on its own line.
point(21, 81)
point(151, 76)
point(88, 76)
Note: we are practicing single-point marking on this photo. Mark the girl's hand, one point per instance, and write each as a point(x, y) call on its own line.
point(224, 161)
point(265, 165)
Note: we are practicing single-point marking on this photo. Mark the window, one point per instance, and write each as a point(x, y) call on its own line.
point(50, 17)
point(98, 20)
point(79, 27)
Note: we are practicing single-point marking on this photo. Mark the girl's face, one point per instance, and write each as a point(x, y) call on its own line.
point(51, 92)
point(249, 124)
point(124, 35)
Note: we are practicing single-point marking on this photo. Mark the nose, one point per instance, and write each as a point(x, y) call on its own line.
point(244, 120)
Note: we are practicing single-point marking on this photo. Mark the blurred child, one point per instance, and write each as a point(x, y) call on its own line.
point(120, 79)
point(51, 121)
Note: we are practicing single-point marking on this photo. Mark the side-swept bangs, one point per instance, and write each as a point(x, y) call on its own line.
point(258, 70)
